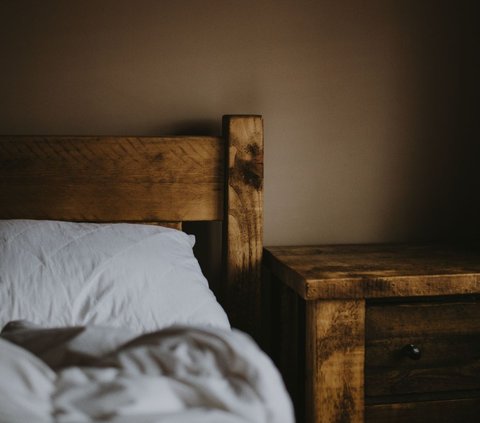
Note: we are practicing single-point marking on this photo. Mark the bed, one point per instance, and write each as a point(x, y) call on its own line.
point(106, 314)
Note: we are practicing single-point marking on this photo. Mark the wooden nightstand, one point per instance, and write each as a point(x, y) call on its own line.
point(376, 333)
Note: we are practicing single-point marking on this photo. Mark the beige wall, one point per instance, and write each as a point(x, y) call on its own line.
point(364, 101)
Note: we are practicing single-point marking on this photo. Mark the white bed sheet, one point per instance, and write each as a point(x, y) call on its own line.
point(177, 375)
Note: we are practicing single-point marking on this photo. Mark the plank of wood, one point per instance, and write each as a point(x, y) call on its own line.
point(173, 225)
point(428, 318)
point(447, 334)
point(335, 361)
point(375, 271)
point(465, 410)
point(108, 179)
point(243, 222)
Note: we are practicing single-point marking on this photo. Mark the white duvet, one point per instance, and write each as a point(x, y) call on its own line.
point(142, 277)
point(180, 374)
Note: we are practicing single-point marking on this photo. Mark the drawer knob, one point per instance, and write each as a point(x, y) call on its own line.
point(412, 351)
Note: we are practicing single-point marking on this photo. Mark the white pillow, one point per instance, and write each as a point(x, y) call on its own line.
point(143, 277)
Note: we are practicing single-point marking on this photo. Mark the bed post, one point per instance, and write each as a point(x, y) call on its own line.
point(243, 222)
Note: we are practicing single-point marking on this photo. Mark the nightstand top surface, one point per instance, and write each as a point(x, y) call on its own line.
point(376, 270)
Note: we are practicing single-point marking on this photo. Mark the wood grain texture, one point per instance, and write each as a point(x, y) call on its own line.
point(173, 225)
point(446, 411)
point(243, 222)
point(108, 179)
point(154, 180)
point(447, 334)
point(335, 360)
point(373, 271)
point(354, 358)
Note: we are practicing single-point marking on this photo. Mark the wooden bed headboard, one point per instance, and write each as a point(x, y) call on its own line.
point(166, 180)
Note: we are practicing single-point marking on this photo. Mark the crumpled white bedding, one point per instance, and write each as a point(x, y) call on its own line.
point(180, 374)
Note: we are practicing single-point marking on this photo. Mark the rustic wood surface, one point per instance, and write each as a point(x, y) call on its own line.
point(447, 334)
point(173, 225)
point(335, 361)
point(363, 305)
point(111, 178)
point(243, 222)
point(447, 411)
point(369, 271)
point(154, 180)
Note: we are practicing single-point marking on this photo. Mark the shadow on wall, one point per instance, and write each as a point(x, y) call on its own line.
point(444, 183)
point(206, 127)
point(470, 174)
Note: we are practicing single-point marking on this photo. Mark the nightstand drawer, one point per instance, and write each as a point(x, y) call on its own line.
point(339, 317)
point(444, 411)
point(422, 348)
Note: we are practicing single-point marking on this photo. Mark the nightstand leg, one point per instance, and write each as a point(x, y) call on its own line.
point(335, 355)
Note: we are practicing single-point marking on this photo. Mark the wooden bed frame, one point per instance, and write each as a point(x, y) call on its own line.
point(158, 180)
